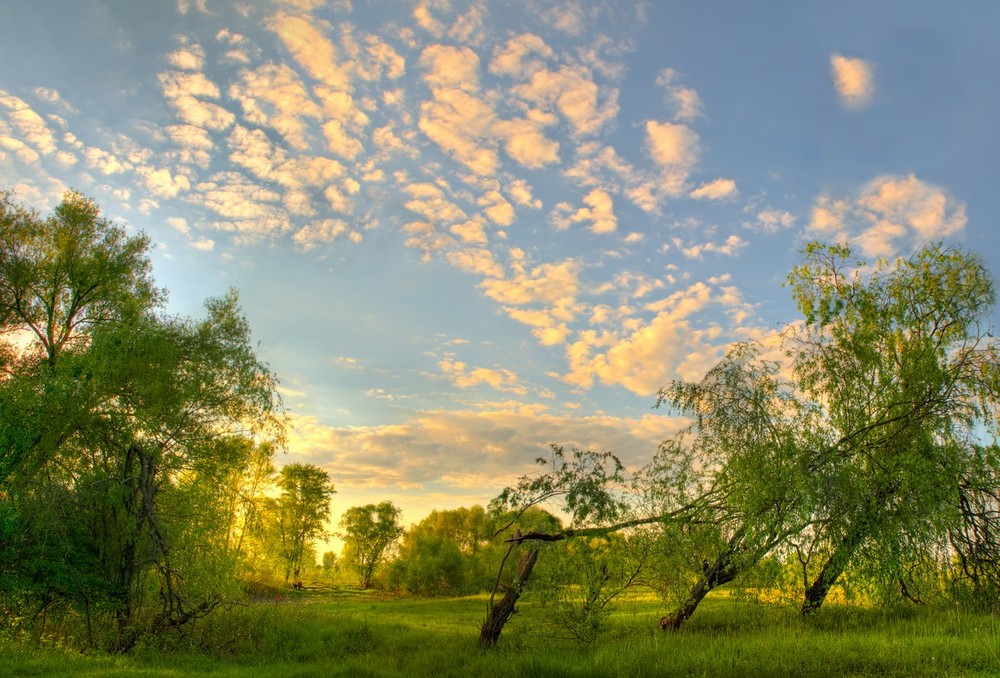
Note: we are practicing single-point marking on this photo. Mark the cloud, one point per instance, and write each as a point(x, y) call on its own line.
point(549, 284)
point(313, 51)
point(245, 206)
point(770, 221)
point(323, 232)
point(274, 96)
point(187, 92)
point(203, 244)
point(672, 145)
point(457, 119)
point(500, 379)
point(728, 248)
point(853, 80)
point(188, 58)
point(496, 444)
point(32, 127)
point(890, 215)
point(675, 148)
point(715, 190)
point(572, 92)
point(521, 56)
point(648, 354)
point(599, 212)
point(525, 141)
point(685, 101)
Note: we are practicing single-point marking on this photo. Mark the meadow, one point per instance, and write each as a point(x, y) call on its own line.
point(343, 632)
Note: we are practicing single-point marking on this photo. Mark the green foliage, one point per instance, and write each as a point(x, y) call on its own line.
point(369, 532)
point(114, 423)
point(300, 512)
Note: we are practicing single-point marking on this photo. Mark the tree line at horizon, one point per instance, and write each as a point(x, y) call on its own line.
point(855, 451)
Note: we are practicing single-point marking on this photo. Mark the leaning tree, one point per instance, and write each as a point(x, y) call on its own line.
point(864, 429)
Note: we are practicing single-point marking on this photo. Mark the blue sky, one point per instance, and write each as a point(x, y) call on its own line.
point(465, 230)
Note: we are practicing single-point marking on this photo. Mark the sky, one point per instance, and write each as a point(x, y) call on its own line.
point(462, 231)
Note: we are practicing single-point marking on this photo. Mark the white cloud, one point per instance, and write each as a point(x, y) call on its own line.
point(771, 221)
point(853, 80)
point(728, 248)
point(685, 101)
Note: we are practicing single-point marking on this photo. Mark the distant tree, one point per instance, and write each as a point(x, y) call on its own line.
point(447, 553)
point(329, 562)
point(302, 510)
point(368, 532)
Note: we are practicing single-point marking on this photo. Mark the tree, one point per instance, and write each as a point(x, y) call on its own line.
point(368, 531)
point(899, 357)
point(302, 510)
point(871, 432)
point(104, 415)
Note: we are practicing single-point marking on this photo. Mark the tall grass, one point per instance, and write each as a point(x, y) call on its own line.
point(363, 635)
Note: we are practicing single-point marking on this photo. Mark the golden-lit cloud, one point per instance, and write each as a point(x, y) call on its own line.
point(188, 58)
point(496, 443)
point(648, 354)
point(598, 214)
point(729, 247)
point(32, 129)
point(324, 232)
point(462, 376)
point(672, 145)
point(571, 92)
point(715, 190)
point(274, 96)
point(853, 80)
point(312, 50)
point(192, 96)
point(890, 215)
point(521, 56)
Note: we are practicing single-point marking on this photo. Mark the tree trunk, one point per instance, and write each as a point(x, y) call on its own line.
point(497, 616)
point(722, 572)
point(832, 569)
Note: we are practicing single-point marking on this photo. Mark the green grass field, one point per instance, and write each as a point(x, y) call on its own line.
point(352, 634)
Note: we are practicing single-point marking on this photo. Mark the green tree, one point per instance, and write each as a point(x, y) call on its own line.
point(104, 415)
point(899, 357)
point(447, 553)
point(873, 431)
point(368, 532)
point(302, 511)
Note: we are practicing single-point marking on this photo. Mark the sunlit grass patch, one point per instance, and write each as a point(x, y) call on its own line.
point(368, 635)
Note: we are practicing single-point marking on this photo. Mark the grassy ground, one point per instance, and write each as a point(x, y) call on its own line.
point(352, 634)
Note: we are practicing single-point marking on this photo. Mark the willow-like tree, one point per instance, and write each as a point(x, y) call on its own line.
point(899, 357)
point(867, 433)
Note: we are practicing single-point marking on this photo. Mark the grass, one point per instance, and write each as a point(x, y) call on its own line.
point(354, 634)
